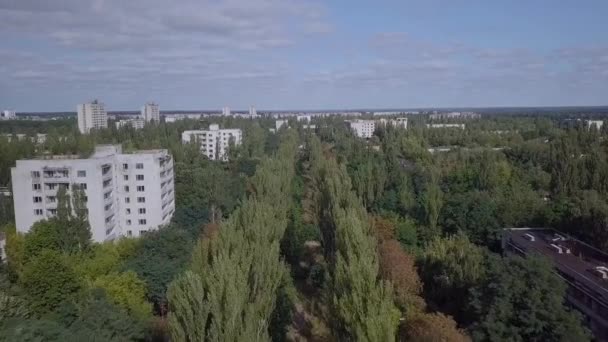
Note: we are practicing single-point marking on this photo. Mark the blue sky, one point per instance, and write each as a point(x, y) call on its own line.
point(304, 54)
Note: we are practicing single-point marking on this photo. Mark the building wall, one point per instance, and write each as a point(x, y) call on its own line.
point(150, 112)
point(105, 190)
point(91, 116)
point(363, 128)
point(215, 142)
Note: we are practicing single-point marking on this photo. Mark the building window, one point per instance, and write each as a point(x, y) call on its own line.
point(139, 166)
point(141, 200)
point(37, 199)
point(36, 186)
point(139, 177)
point(108, 207)
point(128, 211)
point(125, 166)
point(125, 177)
point(140, 188)
point(127, 200)
point(37, 212)
point(82, 173)
point(142, 222)
point(107, 194)
point(128, 222)
point(129, 233)
point(36, 174)
point(51, 199)
point(142, 210)
point(126, 188)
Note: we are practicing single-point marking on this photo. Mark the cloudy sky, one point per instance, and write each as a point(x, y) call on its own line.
point(305, 54)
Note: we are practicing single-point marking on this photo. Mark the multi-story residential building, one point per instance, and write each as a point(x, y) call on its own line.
point(306, 118)
point(226, 111)
point(150, 112)
point(363, 128)
point(455, 115)
point(126, 194)
point(92, 115)
point(280, 123)
point(8, 115)
point(252, 112)
point(444, 125)
point(397, 122)
point(135, 123)
point(214, 142)
point(595, 123)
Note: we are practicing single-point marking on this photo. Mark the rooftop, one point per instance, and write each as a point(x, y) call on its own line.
point(570, 256)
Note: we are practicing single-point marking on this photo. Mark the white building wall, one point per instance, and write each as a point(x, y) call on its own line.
point(8, 115)
point(91, 115)
point(215, 142)
point(150, 112)
point(35, 184)
point(363, 128)
point(597, 123)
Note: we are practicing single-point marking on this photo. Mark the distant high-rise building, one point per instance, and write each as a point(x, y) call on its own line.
point(127, 194)
point(150, 112)
point(8, 115)
point(226, 111)
point(252, 111)
point(214, 142)
point(92, 115)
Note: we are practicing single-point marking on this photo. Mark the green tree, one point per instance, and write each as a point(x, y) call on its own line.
point(523, 300)
point(127, 291)
point(47, 280)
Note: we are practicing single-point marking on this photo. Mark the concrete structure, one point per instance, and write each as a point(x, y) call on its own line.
point(226, 111)
point(461, 126)
point(8, 115)
point(304, 118)
point(363, 128)
point(126, 194)
point(252, 112)
point(92, 115)
point(214, 142)
point(455, 115)
point(583, 268)
point(150, 112)
point(397, 122)
point(135, 123)
point(280, 123)
point(39, 138)
point(595, 123)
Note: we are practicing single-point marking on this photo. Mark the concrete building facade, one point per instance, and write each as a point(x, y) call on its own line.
point(135, 123)
point(150, 112)
point(125, 194)
point(214, 142)
point(363, 128)
point(92, 115)
point(8, 115)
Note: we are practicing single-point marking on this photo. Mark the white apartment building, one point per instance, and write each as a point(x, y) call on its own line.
point(597, 123)
point(92, 115)
point(214, 142)
point(444, 125)
point(397, 122)
point(8, 115)
point(126, 194)
point(252, 111)
point(150, 112)
point(363, 128)
point(135, 123)
point(226, 111)
point(306, 118)
point(280, 123)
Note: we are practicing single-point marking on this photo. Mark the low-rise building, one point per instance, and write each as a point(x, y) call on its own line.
point(126, 194)
point(214, 142)
point(595, 123)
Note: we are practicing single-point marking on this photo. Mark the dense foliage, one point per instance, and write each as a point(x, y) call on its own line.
point(316, 235)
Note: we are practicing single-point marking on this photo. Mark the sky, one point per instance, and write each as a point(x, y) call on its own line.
point(302, 54)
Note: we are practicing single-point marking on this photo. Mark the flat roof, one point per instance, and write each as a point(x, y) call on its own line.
point(578, 264)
